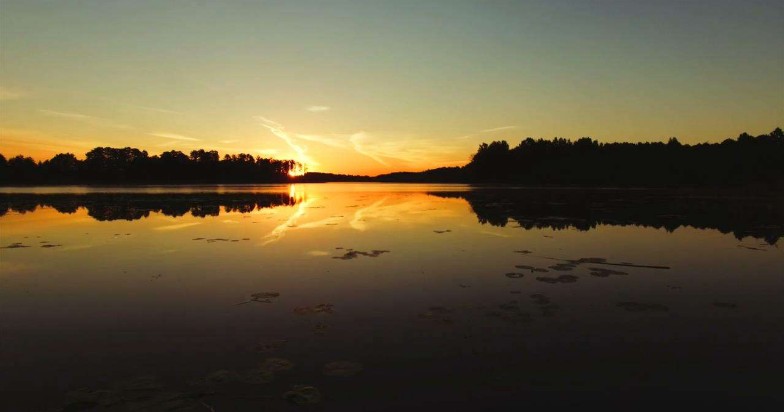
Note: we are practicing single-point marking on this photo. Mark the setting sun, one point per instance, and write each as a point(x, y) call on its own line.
point(388, 205)
point(298, 170)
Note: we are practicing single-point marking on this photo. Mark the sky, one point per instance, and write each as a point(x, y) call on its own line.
point(368, 87)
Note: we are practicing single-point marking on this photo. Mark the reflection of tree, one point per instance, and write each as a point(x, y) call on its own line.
point(757, 216)
point(127, 206)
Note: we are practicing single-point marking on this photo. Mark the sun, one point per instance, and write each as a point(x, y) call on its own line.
point(297, 170)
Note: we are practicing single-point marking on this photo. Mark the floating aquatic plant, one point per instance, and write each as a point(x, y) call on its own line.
point(303, 395)
point(276, 365)
point(353, 254)
point(642, 307)
point(342, 368)
point(603, 273)
point(559, 279)
point(310, 310)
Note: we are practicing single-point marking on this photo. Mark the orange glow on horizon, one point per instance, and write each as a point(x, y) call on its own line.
point(298, 170)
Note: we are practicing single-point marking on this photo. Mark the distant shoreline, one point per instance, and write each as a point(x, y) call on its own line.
point(747, 161)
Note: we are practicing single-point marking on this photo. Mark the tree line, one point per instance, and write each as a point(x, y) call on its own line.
point(130, 165)
point(586, 162)
point(745, 161)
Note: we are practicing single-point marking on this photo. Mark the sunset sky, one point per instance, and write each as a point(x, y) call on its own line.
point(368, 87)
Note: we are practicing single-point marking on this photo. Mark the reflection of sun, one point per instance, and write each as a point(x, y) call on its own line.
point(297, 193)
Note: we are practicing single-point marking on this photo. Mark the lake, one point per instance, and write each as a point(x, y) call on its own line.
point(386, 297)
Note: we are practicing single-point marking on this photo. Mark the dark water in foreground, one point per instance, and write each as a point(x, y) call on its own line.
point(386, 297)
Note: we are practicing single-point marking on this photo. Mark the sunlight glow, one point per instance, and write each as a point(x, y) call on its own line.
point(298, 170)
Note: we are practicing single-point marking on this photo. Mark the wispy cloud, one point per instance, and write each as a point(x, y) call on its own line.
point(492, 130)
point(67, 115)
point(79, 117)
point(228, 141)
point(8, 94)
point(317, 109)
point(329, 141)
point(174, 136)
point(21, 140)
point(279, 131)
point(267, 152)
point(386, 148)
point(356, 139)
point(154, 109)
point(498, 129)
point(269, 122)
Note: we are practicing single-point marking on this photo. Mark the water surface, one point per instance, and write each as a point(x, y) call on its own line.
point(429, 295)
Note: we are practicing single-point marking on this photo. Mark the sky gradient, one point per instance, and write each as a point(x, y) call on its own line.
point(367, 87)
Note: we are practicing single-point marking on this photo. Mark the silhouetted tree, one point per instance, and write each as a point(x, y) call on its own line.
point(742, 161)
point(22, 169)
point(130, 165)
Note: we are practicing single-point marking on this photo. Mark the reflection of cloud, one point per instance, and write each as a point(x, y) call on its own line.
point(76, 247)
point(357, 222)
point(79, 117)
point(319, 223)
point(318, 253)
point(177, 226)
point(174, 136)
point(16, 268)
point(317, 109)
point(280, 231)
point(496, 234)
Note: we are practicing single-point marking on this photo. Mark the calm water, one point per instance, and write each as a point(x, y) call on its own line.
point(429, 296)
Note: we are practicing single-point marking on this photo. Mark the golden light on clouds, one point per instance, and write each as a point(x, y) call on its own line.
point(404, 96)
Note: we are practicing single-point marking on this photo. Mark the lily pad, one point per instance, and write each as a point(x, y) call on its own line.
point(563, 267)
point(540, 299)
point(220, 376)
point(270, 345)
point(303, 395)
point(16, 245)
point(531, 268)
point(310, 310)
point(353, 254)
point(642, 307)
point(559, 279)
point(725, 305)
point(342, 368)
point(603, 273)
point(257, 376)
point(276, 365)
